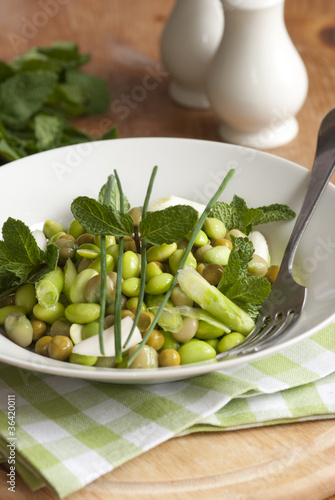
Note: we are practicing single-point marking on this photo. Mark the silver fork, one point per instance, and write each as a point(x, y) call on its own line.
point(280, 312)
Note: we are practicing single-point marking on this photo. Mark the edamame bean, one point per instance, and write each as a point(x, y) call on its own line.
point(88, 250)
point(110, 240)
point(146, 358)
point(19, 329)
point(77, 290)
point(257, 266)
point(161, 252)
point(213, 343)
point(214, 228)
point(217, 255)
point(60, 327)
point(82, 313)
point(85, 238)
point(187, 331)
point(196, 351)
point(159, 284)
point(131, 265)
point(92, 290)
point(153, 268)
point(49, 314)
point(75, 229)
point(70, 273)
point(106, 362)
point(176, 257)
point(113, 250)
point(66, 250)
point(60, 348)
point(199, 254)
point(229, 341)
point(132, 304)
point(96, 264)
point(4, 311)
point(235, 232)
point(90, 329)
point(144, 321)
point(80, 359)
point(223, 242)
point(169, 341)
point(50, 228)
point(131, 287)
point(200, 240)
point(206, 331)
point(136, 214)
point(25, 297)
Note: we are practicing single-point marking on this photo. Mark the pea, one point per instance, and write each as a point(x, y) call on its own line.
point(82, 313)
point(4, 311)
point(217, 255)
point(96, 264)
point(159, 284)
point(161, 252)
point(156, 339)
point(131, 287)
point(77, 290)
point(213, 273)
point(176, 258)
point(271, 275)
point(49, 314)
point(60, 348)
point(80, 359)
point(131, 265)
point(169, 357)
point(19, 329)
point(39, 328)
point(50, 228)
point(41, 346)
point(206, 331)
point(25, 297)
point(196, 351)
point(229, 341)
point(214, 228)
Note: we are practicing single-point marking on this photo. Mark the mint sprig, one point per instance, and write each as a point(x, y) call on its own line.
point(237, 215)
point(21, 260)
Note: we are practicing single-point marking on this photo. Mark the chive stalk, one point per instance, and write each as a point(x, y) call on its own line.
point(106, 200)
point(182, 262)
point(117, 314)
point(143, 257)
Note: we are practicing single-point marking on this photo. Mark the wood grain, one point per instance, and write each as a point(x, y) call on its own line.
point(289, 462)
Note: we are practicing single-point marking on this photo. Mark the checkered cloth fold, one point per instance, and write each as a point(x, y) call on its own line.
point(69, 432)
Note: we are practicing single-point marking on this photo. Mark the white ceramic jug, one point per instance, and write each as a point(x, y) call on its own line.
point(190, 39)
point(257, 81)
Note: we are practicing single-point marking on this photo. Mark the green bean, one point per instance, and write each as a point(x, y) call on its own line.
point(49, 288)
point(25, 297)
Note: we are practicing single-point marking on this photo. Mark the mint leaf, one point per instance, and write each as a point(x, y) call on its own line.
point(168, 225)
point(13, 275)
point(276, 212)
point(51, 256)
point(5, 71)
point(65, 54)
point(251, 289)
point(236, 269)
point(20, 244)
point(110, 134)
point(114, 201)
point(23, 94)
point(101, 219)
point(95, 90)
point(48, 131)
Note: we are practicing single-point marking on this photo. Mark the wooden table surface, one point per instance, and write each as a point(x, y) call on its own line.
point(293, 461)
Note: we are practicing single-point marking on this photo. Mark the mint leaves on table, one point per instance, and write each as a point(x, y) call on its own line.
point(21, 260)
point(236, 215)
point(247, 292)
point(40, 91)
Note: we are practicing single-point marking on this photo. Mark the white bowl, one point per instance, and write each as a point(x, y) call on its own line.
point(43, 186)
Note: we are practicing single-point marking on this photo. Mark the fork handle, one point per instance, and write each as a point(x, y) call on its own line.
point(323, 167)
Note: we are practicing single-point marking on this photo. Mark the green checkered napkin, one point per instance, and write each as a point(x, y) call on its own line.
point(69, 432)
